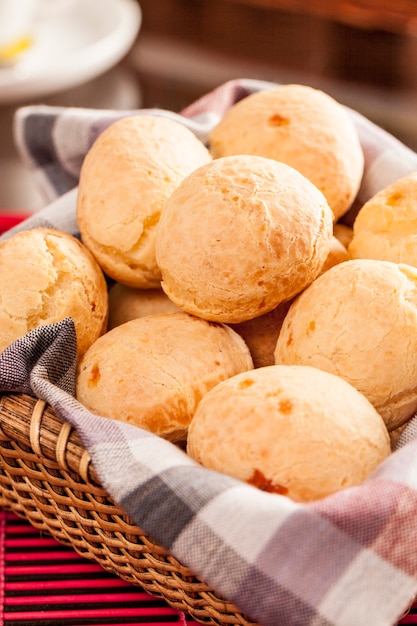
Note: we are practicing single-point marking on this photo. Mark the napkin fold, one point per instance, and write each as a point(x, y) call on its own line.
point(347, 560)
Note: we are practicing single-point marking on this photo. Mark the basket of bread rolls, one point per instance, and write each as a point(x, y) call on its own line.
point(208, 366)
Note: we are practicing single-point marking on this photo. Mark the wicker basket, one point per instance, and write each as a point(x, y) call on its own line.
point(46, 477)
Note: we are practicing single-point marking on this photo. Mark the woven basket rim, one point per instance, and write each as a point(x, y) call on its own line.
point(33, 422)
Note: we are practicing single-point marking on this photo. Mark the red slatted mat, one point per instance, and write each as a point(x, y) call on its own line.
point(8, 220)
point(44, 583)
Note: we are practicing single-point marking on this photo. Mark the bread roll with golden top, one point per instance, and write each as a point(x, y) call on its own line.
point(153, 371)
point(239, 236)
point(128, 303)
point(303, 127)
point(358, 320)
point(386, 226)
point(291, 430)
point(45, 276)
point(126, 178)
point(396, 434)
point(261, 333)
point(343, 233)
point(337, 254)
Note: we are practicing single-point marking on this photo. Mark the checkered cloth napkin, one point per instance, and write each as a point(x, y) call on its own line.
point(346, 560)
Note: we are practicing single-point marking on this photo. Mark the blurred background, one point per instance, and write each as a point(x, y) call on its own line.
point(362, 52)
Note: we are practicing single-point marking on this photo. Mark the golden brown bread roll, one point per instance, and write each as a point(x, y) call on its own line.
point(128, 303)
point(56, 277)
point(239, 236)
point(337, 254)
point(292, 430)
point(343, 233)
point(359, 320)
point(126, 178)
point(396, 434)
point(152, 371)
point(261, 333)
point(386, 226)
point(303, 127)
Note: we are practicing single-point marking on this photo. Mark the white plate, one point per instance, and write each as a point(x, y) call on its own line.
point(72, 46)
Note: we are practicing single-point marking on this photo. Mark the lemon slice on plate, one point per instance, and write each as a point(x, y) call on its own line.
point(10, 52)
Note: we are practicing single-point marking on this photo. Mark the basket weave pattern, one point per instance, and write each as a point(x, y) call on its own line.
point(46, 476)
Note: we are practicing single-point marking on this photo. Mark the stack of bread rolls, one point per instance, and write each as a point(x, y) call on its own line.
point(245, 320)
